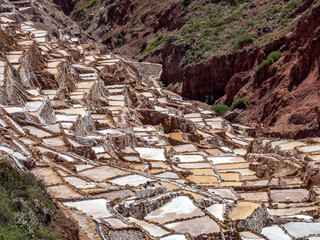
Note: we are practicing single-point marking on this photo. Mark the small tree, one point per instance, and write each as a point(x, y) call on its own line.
point(240, 103)
point(219, 109)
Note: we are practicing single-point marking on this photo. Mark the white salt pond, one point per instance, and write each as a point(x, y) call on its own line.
point(275, 233)
point(154, 230)
point(157, 154)
point(174, 237)
point(217, 211)
point(193, 226)
point(189, 158)
point(132, 180)
point(97, 208)
point(302, 229)
point(177, 208)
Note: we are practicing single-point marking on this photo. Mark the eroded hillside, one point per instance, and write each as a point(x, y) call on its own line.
point(124, 158)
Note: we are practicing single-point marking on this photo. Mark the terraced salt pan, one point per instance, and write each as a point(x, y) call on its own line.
point(37, 132)
point(194, 165)
point(66, 118)
point(63, 192)
point(185, 148)
point(102, 173)
point(55, 142)
point(174, 237)
point(192, 226)
point(115, 223)
point(189, 158)
point(291, 210)
point(204, 171)
point(132, 180)
point(79, 183)
point(33, 106)
point(47, 175)
point(232, 166)
point(177, 208)
point(97, 208)
point(167, 175)
point(249, 236)
point(243, 210)
point(302, 229)
point(293, 195)
point(275, 233)
point(225, 159)
point(72, 111)
point(14, 59)
point(154, 230)
point(255, 196)
point(202, 179)
point(290, 146)
point(309, 149)
point(157, 154)
point(14, 109)
point(217, 210)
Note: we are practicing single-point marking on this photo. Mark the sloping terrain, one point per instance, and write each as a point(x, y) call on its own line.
point(210, 51)
point(125, 158)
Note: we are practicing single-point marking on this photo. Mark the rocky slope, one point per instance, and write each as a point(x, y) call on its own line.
point(283, 96)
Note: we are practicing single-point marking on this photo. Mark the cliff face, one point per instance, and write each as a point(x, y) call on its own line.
point(284, 97)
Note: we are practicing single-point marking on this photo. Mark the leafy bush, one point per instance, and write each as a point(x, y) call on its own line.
point(219, 109)
point(85, 8)
point(143, 46)
point(272, 57)
point(160, 40)
point(25, 208)
point(240, 103)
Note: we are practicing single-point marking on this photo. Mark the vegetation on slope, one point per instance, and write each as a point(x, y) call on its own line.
point(26, 211)
point(85, 8)
point(217, 28)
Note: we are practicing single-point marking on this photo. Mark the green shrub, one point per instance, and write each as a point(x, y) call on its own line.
point(120, 41)
point(244, 40)
point(219, 109)
point(292, 5)
point(284, 22)
point(272, 57)
point(143, 46)
point(85, 8)
point(240, 103)
point(160, 40)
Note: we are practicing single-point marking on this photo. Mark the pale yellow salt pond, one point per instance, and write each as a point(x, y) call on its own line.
point(231, 184)
point(170, 186)
point(232, 166)
point(214, 151)
point(243, 210)
point(202, 179)
point(230, 176)
point(177, 135)
point(195, 195)
point(204, 171)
